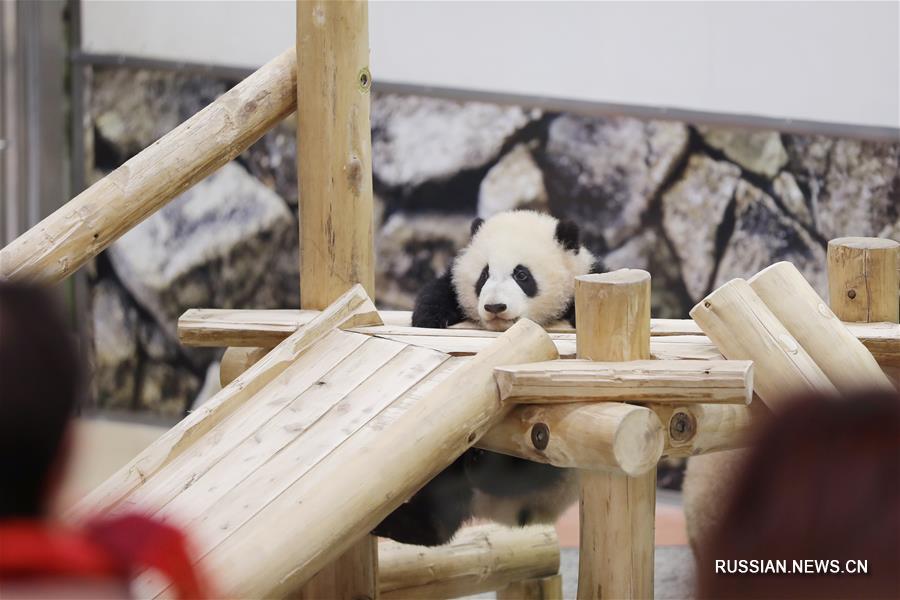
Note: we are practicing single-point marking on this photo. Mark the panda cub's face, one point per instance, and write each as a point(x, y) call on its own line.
point(519, 264)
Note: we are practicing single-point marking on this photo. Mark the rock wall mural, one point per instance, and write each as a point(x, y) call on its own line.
point(695, 206)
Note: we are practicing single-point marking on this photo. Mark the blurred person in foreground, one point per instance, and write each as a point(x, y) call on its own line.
point(821, 483)
point(40, 381)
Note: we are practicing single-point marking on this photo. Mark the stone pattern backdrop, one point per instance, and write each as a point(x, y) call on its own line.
point(695, 206)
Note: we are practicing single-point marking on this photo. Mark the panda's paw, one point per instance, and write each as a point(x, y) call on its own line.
point(430, 320)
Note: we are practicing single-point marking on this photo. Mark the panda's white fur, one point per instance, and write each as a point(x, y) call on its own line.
point(521, 237)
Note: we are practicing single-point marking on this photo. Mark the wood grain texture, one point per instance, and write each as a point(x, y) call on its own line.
point(481, 558)
point(338, 497)
point(617, 511)
point(743, 328)
point(607, 436)
point(677, 339)
point(632, 381)
point(334, 150)
point(693, 429)
point(864, 279)
point(545, 588)
point(613, 314)
point(840, 355)
point(238, 359)
point(353, 306)
point(352, 576)
point(86, 225)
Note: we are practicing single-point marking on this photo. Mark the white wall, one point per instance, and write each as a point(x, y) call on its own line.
point(832, 62)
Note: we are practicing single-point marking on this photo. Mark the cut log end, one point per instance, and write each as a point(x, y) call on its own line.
point(639, 442)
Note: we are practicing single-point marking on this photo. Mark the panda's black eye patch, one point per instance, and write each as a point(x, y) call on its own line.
point(482, 279)
point(525, 280)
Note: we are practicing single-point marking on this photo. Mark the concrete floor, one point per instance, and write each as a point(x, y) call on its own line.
point(673, 575)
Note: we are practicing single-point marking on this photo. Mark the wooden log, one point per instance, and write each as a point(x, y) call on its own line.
point(354, 306)
point(238, 359)
point(57, 246)
point(617, 511)
point(723, 381)
point(616, 437)
point(744, 328)
point(481, 558)
point(679, 339)
point(840, 355)
point(545, 588)
point(616, 311)
point(341, 499)
point(353, 576)
point(334, 150)
point(693, 429)
point(863, 279)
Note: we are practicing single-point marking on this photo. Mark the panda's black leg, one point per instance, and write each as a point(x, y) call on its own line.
point(437, 305)
point(435, 513)
point(506, 476)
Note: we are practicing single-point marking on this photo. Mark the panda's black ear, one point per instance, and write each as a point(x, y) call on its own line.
point(476, 225)
point(568, 235)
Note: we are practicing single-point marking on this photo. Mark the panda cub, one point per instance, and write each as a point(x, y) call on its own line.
point(519, 264)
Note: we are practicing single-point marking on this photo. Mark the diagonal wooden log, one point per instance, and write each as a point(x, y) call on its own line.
point(86, 225)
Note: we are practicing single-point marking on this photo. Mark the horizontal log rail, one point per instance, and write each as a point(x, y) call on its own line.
point(671, 338)
point(86, 225)
point(714, 381)
point(481, 558)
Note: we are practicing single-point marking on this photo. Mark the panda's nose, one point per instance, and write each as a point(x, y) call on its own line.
point(495, 308)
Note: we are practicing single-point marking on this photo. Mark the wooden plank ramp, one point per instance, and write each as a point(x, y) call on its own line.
point(284, 482)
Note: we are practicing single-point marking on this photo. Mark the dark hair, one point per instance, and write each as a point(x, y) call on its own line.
point(821, 482)
point(39, 384)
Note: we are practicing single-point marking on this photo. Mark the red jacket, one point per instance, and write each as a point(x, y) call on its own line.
point(115, 549)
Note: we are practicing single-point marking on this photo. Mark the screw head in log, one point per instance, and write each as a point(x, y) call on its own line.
point(540, 436)
point(682, 426)
point(851, 294)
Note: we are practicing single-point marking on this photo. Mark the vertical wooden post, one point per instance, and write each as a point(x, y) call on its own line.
point(544, 588)
point(617, 511)
point(334, 150)
point(349, 577)
point(334, 170)
point(863, 279)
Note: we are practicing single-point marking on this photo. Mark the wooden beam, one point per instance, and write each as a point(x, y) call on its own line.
point(743, 328)
point(863, 279)
point(693, 429)
point(481, 558)
point(617, 511)
point(238, 359)
point(57, 246)
point(840, 355)
point(334, 150)
point(353, 305)
point(666, 381)
point(352, 576)
point(341, 500)
point(334, 170)
point(607, 436)
point(545, 588)
point(680, 340)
